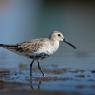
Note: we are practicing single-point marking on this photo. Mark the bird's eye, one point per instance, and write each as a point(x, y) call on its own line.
point(59, 35)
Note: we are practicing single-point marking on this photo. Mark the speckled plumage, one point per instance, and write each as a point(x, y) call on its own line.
point(38, 49)
point(35, 47)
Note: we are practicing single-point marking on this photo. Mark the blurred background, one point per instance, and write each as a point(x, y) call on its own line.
point(68, 70)
point(22, 20)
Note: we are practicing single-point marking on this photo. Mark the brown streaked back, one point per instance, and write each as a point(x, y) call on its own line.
point(31, 46)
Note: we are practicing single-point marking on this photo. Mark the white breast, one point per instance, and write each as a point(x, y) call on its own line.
point(49, 48)
point(53, 48)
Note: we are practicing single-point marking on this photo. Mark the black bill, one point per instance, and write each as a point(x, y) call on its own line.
point(69, 44)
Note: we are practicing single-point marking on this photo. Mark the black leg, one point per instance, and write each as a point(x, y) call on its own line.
point(39, 84)
point(40, 68)
point(31, 83)
point(31, 68)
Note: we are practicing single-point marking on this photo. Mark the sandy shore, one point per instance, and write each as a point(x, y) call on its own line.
point(60, 81)
point(13, 88)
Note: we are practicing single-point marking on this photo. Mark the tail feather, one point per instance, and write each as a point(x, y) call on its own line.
point(8, 46)
point(3, 45)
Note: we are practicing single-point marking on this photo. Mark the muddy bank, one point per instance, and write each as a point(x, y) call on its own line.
point(57, 81)
point(13, 88)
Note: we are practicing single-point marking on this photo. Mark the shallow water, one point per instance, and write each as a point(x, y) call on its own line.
point(71, 73)
point(56, 79)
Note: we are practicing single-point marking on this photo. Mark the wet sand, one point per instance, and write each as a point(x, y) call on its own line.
point(57, 81)
point(14, 88)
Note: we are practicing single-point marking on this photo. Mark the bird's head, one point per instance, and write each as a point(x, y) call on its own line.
point(58, 36)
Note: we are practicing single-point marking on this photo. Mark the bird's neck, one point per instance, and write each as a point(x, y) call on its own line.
point(55, 43)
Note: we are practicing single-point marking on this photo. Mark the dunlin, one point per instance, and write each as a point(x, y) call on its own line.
point(38, 49)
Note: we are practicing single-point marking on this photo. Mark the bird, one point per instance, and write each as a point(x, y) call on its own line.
point(38, 49)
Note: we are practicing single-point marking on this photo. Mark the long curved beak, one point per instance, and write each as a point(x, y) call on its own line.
point(69, 44)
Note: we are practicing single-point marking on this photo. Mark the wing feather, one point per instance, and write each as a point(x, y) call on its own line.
point(31, 46)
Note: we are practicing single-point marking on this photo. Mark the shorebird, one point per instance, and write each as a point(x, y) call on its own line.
point(38, 49)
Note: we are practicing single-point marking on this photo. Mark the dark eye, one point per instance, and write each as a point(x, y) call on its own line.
point(59, 35)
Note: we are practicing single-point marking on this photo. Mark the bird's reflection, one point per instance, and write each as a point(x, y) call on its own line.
point(33, 85)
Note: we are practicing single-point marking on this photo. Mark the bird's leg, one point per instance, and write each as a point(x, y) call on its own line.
point(31, 68)
point(40, 68)
point(39, 84)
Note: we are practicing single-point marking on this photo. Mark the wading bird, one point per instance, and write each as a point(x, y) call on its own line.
point(38, 49)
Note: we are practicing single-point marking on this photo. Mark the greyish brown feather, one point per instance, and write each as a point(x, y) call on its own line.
point(26, 47)
point(8, 46)
point(31, 46)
